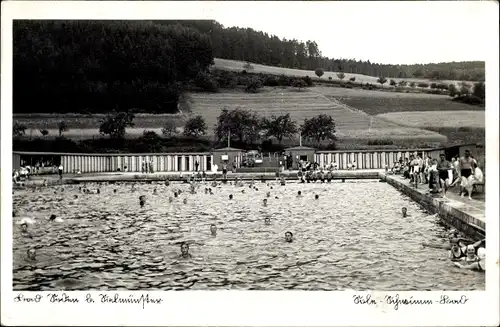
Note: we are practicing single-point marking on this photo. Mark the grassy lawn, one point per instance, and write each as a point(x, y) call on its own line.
point(375, 103)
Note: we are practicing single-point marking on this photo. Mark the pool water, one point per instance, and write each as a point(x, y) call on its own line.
point(352, 237)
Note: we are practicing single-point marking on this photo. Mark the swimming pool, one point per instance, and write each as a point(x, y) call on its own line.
point(352, 237)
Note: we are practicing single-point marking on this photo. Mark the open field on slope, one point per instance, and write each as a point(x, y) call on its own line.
point(424, 119)
point(350, 124)
point(306, 104)
point(257, 68)
point(374, 103)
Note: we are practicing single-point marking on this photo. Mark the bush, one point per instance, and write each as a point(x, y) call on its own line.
point(206, 82)
point(392, 82)
point(433, 86)
point(424, 85)
point(479, 90)
point(271, 81)
point(319, 72)
point(248, 66)
point(253, 85)
point(18, 129)
point(403, 83)
point(452, 89)
point(352, 79)
point(308, 81)
point(442, 86)
point(380, 142)
point(412, 84)
point(330, 78)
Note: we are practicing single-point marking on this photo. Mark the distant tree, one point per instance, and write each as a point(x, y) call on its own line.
point(62, 127)
point(169, 128)
point(253, 85)
point(418, 73)
point(452, 89)
point(352, 79)
point(44, 132)
point(195, 126)
point(403, 83)
point(248, 66)
point(319, 72)
point(18, 129)
point(299, 83)
point(280, 127)
point(382, 80)
point(308, 80)
point(319, 128)
point(479, 90)
point(392, 82)
point(464, 89)
point(243, 125)
point(114, 124)
point(206, 82)
point(340, 75)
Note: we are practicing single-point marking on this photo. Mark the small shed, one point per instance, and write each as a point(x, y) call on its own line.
point(299, 153)
point(228, 156)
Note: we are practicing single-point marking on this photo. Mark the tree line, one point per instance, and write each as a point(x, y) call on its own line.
point(247, 44)
point(245, 127)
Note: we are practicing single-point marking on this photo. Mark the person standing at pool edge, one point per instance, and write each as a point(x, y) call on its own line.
point(443, 167)
point(465, 165)
point(60, 171)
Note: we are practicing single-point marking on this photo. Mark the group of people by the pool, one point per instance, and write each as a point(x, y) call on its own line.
point(441, 175)
point(463, 252)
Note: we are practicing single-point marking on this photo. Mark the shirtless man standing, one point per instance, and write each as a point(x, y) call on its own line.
point(465, 170)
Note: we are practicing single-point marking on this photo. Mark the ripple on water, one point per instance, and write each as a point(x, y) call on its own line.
point(352, 237)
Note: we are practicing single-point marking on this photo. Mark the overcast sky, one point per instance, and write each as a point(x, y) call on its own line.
point(385, 32)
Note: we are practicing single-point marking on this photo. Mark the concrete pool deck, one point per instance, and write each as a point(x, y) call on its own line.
point(467, 216)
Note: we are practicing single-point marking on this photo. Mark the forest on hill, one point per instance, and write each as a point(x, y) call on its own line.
point(246, 44)
point(99, 66)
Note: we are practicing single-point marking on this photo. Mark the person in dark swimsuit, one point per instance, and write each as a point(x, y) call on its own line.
point(185, 251)
point(465, 165)
point(457, 252)
point(443, 166)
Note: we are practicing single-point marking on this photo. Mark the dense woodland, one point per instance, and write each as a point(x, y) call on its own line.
point(99, 66)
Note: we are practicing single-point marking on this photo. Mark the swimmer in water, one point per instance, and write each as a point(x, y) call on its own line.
point(243, 191)
point(267, 221)
point(268, 194)
point(404, 211)
point(142, 203)
point(230, 196)
point(175, 194)
point(98, 191)
point(289, 237)
point(31, 254)
point(457, 251)
point(24, 228)
point(213, 230)
point(52, 217)
point(185, 251)
point(264, 202)
point(316, 196)
point(299, 194)
point(185, 201)
point(114, 191)
point(170, 199)
point(154, 191)
point(479, 264)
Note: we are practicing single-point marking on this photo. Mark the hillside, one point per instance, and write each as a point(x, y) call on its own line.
point(238, 66)
point(350, 123)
